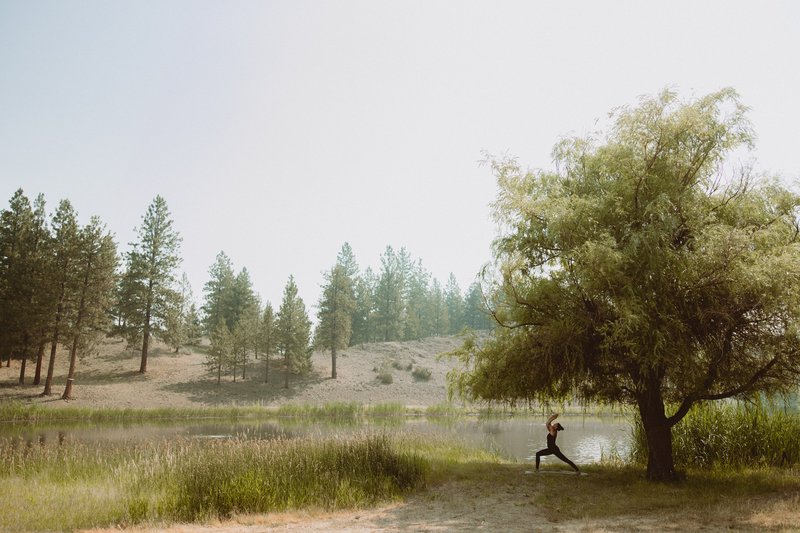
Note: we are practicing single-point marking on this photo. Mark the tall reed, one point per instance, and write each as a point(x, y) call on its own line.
point(79, 485)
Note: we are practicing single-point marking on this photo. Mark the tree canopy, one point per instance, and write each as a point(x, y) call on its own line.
point(645, 269)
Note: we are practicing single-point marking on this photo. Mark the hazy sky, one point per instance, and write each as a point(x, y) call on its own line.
point(277, 130)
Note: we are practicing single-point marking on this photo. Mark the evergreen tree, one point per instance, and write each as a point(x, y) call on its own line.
point(176, 323)
point(293, 331)
point(96, 269)
point(437, 309)
point(267, 337)
point(347, 259)
point(242, 299)
point(193, 326)
point(217, 292)
point(27, 298)
point(417, 323)
point(220, 351)
point(476, 317)
point(151, 265)
point(455, 305)
point(245, 336)
point(389, 295)
point(335, 314)
point(62, 279)
point(363, 322)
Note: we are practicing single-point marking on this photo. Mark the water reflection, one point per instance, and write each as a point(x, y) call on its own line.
point(585, 439)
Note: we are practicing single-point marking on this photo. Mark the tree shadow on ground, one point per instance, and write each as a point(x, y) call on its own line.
point(252, 390)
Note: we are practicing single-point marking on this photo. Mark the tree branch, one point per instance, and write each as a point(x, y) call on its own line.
point(745, 386)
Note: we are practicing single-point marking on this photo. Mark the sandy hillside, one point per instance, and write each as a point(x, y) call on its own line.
point(111, 378)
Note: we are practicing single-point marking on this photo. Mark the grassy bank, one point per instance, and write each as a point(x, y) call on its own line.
point(78, 486)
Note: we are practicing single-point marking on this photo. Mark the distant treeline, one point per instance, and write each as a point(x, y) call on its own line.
point(62, 284)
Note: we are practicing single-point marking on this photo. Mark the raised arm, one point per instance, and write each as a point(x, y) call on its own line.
point(550, 420)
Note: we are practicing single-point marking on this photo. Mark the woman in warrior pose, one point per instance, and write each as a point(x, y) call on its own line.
point(552, 449)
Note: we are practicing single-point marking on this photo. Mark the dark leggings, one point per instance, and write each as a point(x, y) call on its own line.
point(557, 452)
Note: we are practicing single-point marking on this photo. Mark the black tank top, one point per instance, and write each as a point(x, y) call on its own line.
point(551, 440)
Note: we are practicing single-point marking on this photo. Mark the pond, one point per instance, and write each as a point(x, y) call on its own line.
point(584, 440)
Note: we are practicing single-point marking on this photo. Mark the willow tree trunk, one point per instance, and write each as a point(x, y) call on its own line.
point(658, 432)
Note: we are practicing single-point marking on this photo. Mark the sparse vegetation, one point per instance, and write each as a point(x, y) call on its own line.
point(421, 373)
point(385, 376)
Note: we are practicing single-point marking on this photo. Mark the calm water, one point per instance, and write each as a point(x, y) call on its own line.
point(585, 439)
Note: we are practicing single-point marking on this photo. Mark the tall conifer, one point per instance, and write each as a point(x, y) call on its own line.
point(151, 265)
point(293, 331)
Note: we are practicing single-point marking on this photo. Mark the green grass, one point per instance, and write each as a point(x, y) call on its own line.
point(76, 486)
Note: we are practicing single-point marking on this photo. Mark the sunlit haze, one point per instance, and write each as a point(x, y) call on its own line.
point(278, 130)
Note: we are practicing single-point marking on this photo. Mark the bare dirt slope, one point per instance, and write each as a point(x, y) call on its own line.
point(111, 378)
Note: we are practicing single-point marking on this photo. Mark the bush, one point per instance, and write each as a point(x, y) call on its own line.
point(421, 374)
point(385, 376)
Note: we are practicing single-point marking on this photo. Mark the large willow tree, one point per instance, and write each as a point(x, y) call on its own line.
point(643, 270)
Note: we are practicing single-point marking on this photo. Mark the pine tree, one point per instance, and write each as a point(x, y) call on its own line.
point(245, 336)
point(220, 351)
point(267, 337)
point(417, 324)
point(96, 269)
point(347, 259)
point(151, 265)
point(476, 317)
point(293, 331)
point(389, 296)
point(217, 292)
point(176, 334)
point(241, 299)
point(455, 305)
point(27, 299)
point(193, 326)
point(62, 278)
point(363, 321)
point(440, 322)
point(335, 314)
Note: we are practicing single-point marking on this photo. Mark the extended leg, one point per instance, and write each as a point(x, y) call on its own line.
point(564, 458)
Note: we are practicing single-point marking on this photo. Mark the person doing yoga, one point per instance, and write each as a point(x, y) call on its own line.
point(552, 449)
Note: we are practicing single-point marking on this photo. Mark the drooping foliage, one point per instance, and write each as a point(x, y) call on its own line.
point(644, 270)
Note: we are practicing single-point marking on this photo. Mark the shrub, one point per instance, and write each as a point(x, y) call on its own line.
point(385, 376)
point(421, 374)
